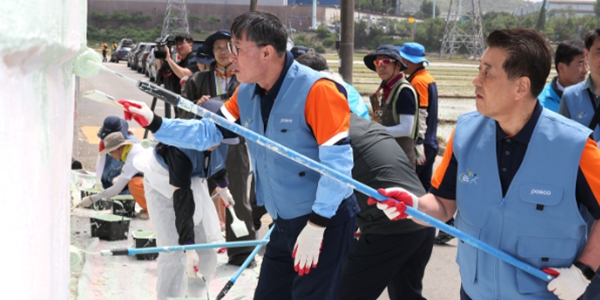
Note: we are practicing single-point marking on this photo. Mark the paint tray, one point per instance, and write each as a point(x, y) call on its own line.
point(144, 239)
point(110, 227)
point(123, 205)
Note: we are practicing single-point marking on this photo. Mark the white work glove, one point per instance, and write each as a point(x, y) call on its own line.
point(420, 154)
point(137, 110)
point(191, 263)
point(570, 284)
point(226, 196)
point(85, 202)
point(307, 248)
point(395, 207)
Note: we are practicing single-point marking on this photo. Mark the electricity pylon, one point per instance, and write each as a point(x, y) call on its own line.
point(455, 36)
point(176, 18)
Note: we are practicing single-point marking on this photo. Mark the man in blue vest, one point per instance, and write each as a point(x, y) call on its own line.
point(315, 216)
point(515, 175)
point(571, 67)
point(580, 103)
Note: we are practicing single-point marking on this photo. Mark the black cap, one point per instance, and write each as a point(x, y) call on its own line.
point(299, 50)
point(387, 50)
point(207, 47)
point(113, 124)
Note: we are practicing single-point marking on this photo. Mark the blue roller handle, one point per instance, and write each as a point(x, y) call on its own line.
point(237, 274)
point(135, 251)
point(189, 106)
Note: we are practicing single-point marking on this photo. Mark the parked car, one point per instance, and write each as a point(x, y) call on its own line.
point(126, 42)
point(143, 56)
point(151, 65)
point(119, 54)
point(197, 45)
point(130, 54)
point(136, 55)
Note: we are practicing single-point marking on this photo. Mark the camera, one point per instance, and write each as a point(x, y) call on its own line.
point(159, 52)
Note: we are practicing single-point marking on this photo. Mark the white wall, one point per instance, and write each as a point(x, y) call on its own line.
point(39, 39)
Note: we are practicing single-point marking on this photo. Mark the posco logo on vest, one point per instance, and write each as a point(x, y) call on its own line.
point(284, 120)
point(581, 115)
point(247, 122)
point(541, 192)
point(468, 177)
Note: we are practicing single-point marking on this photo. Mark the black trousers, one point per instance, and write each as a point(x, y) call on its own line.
point(394, 261)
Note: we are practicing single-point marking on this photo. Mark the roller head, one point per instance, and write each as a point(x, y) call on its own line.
point(87, 63)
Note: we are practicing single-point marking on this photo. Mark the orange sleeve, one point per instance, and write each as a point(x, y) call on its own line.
point(230, 108)
point(589, 165)
point(440, 172)
point(327, 112)
point(422, 88)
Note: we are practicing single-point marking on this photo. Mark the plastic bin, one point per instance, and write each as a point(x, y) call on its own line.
point(110, 227)
point(144, 239)
point(123, 205)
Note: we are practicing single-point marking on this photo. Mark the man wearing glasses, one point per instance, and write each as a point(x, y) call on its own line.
point(315, 216)
point(398, 113)
point(183, 46)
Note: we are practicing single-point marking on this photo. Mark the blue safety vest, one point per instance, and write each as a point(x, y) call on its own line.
point(216, 163)
point(286, 188)
point(580, 106)
point(538, 221)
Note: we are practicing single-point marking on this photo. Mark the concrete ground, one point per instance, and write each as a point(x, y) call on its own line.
point(123, 277)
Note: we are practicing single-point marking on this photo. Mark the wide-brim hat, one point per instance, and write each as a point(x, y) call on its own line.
point(202, 58)
point(387, 50)
point(214, 105)
point(413, 52)
point(113, 124)
point(207, 47)
point(113, 141)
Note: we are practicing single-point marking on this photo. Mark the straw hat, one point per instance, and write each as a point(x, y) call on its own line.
point(113, 141)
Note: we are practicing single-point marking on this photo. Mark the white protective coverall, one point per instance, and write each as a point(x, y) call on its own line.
point(171, 265)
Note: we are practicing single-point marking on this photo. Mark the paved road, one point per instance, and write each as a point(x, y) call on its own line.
point(100, 276)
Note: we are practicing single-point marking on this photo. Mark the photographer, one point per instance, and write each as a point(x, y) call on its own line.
point(175, 71)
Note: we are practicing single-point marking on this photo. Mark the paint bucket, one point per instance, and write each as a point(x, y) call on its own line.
point(144, 239)
point(110, 227)
point(123, 205)
point(98, 205)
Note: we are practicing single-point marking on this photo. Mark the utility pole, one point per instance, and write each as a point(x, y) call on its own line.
point(314, 15)
point(455, 36)
point(176, 18)
point(253, 5)
point(347, 40)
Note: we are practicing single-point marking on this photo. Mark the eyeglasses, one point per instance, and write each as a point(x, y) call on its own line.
point(220, 48)
point(383, 62)
point(234, 50)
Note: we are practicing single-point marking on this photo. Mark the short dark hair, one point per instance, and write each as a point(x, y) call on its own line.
point(566, 52)
point(528, 55)
point(590, 37)
point(262, 28)
point(313, 60)
point(184, 36)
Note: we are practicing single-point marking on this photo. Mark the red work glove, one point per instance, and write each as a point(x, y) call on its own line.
point(100, 146)
point(395, 209)
point(137, 110)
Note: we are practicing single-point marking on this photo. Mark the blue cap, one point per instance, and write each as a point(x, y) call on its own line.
point(202, 58)
point(299, 50)
point(113, 124)
point(413, 52)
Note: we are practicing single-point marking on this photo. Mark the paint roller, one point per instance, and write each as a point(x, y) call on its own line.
point(189, 106)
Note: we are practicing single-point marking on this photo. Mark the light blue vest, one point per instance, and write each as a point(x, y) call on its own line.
point(580, 106)
point(217, 161)
point(286, 188)
point(538, 220)
point(549, 98)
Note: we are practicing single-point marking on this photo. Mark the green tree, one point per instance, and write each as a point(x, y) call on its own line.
point(139, 17)
point(427, 7)
point(120, 17)
point(360, 34)
point(429, 33)
point(212, 20)
point(498, 20)
point(541, 21)
point(322, 32)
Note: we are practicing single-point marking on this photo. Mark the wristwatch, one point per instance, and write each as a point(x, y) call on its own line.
point(587, 271)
